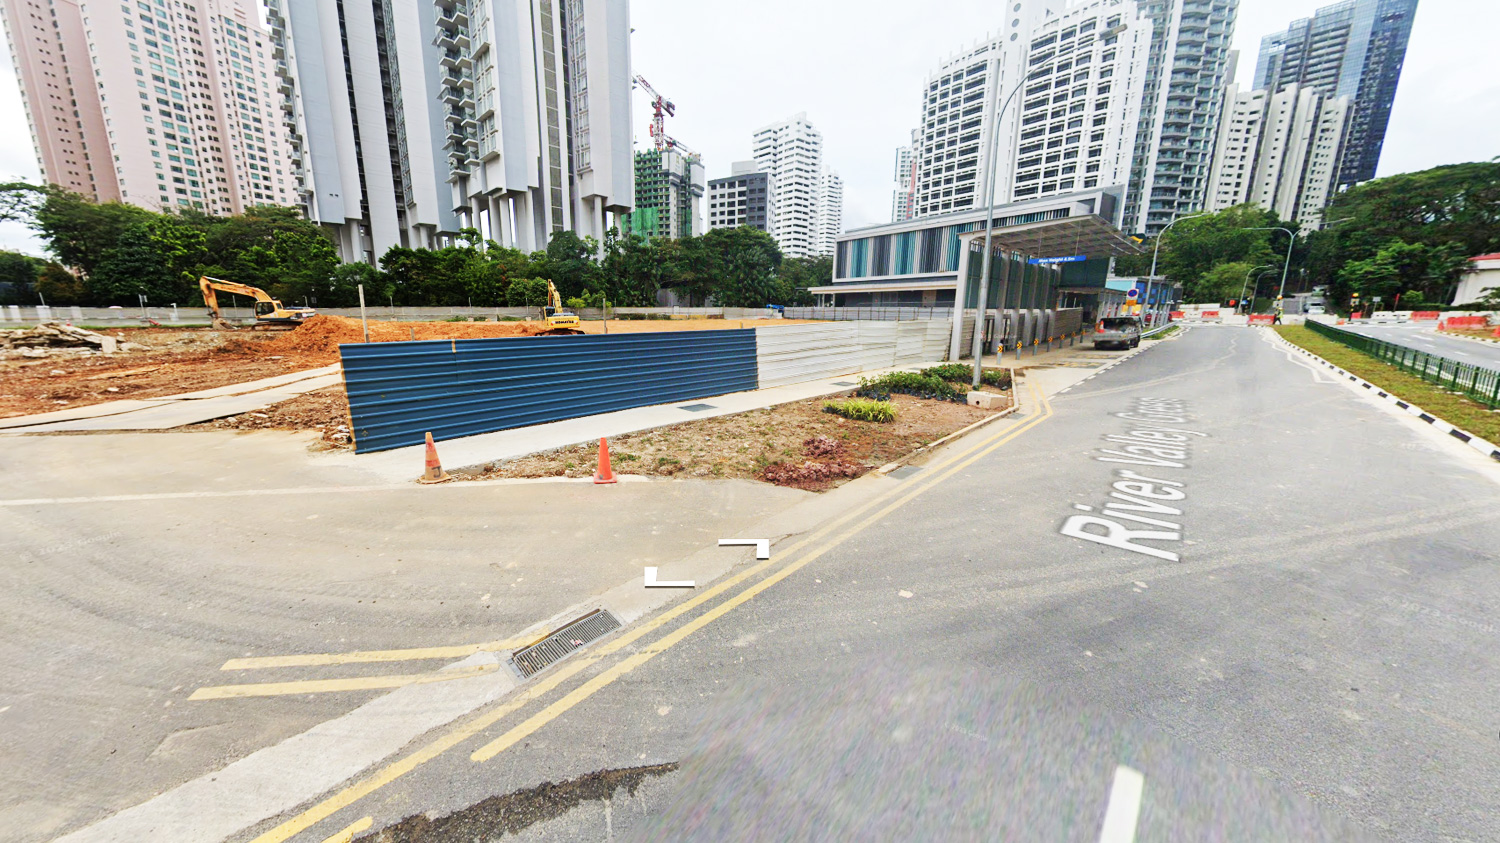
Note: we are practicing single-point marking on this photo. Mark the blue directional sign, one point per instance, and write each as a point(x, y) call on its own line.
point(1068, 259)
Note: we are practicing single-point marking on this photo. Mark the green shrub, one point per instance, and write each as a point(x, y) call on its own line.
point(907, 383)
point(964, 374)
point(860, 409)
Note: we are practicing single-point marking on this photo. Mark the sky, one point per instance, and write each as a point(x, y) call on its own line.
point(856, 67)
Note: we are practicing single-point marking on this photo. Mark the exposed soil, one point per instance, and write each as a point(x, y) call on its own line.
point(176, 360)
point(1483, 333)
point(509, 813)
point(325, 411)
point(793, 444)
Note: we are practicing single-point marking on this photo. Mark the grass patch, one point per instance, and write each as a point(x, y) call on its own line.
point(1457, 410)
point(860, 409)
point(1164, 334)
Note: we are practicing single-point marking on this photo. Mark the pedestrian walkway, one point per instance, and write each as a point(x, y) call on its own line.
point(177, 410)
point(404, 463)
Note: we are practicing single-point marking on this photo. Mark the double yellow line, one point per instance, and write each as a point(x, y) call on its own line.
point(840, 529)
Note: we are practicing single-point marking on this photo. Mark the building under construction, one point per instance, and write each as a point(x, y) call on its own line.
point(668, 194)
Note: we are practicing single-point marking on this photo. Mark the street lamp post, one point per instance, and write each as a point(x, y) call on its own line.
point(977, 347)
point(1255, 293)
point(1156, 252)
point(1285, 267)
point(1247, 282)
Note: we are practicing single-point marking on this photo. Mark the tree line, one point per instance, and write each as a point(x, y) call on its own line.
point(1408, 236)
point(111, 253)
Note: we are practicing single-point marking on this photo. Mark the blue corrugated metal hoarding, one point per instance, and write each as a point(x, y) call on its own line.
point(398, 391)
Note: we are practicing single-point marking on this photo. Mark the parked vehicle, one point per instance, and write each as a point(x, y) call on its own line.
point(1315, 310)
point(1118, 331)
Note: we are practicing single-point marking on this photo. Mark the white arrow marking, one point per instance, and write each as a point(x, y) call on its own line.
point(1124, 809)
point(762, 546)
point(652, 583)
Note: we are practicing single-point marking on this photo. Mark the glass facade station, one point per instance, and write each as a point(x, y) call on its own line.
point(918, 263)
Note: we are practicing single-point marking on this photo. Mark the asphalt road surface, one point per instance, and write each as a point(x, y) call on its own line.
point(1209, 593)
point(1423, 336)
point(1293, 639)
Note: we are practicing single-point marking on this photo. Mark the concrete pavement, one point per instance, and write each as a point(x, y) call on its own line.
point(1298, 645)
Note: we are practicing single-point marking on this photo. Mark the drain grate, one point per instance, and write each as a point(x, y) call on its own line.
point(697, 408)
point(590, 627)
point(845, 383)
point(905, 471)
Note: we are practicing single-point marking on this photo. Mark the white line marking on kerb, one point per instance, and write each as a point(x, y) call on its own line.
point(652, 582)
point(1124, 806)
point(762, 546)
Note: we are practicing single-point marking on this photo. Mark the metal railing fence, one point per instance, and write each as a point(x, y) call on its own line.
point(1476, 382)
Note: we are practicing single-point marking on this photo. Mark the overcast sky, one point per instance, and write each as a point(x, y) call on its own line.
point(856, 67)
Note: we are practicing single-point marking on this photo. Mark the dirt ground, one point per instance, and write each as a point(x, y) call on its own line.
point(325, 411)
point(1484, 333)
point(793, 444)
point(179, 360)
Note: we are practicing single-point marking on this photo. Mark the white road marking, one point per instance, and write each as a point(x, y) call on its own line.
point(1124, 810)
point(652, 582)
point(762, 546)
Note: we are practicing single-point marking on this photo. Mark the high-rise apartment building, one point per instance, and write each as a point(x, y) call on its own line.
point(1281, 151)
point(1351, 49)
point(1082, 64)
point(741, 198)
point(903, 198)
point(791, 153)
point(158, 105)
point(1186, 72)
point(1080, 110)
point(414, 119)
point(361, 84)
point(830, 221)
point(668, 194)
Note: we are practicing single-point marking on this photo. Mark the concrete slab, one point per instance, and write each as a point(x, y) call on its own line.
point(263, 384)
point(178, 413)
point(509, 444)
point(108, 408)
point(90, 417)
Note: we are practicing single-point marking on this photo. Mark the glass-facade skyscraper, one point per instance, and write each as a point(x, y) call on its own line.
point(1354, 48)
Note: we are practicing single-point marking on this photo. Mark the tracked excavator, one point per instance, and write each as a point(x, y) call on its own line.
point(269, 313)
point(558, 321)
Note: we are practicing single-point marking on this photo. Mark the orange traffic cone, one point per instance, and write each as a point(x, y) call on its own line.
point(603, 474)
point(434, 472)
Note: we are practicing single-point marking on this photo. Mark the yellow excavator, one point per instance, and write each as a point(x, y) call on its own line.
point(559, 321)
point(269, 312)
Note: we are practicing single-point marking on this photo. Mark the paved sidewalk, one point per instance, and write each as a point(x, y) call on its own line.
point(406, 463)
point(177, 410)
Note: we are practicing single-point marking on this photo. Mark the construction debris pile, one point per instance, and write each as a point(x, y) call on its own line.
point(50, 337)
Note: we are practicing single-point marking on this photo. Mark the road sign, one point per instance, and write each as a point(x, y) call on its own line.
point(1134, 293)
point(1068, 259)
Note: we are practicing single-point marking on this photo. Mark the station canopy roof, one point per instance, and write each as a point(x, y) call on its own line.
point(1089, 235)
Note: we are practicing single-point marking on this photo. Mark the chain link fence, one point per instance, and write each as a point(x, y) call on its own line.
point(1476, 382)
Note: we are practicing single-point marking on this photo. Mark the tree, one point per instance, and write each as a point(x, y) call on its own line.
point(744, 261)
point(527, 292)
point(18, 274)
point(20, 200)
point(1219, 284)
point(132, 268)
point(796, 275)
point(59, 286)
point(1399, 266)
point(81, 233)
point(570, 262)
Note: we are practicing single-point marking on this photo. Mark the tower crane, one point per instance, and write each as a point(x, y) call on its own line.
point(662, 108)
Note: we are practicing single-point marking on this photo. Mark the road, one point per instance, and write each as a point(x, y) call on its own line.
point(1423, 336)
point(1207, 593)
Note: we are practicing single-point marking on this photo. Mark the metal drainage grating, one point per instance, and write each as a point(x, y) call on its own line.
point(697, 408)
point(845, 383)
point(590, 627)
point(905, 471)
